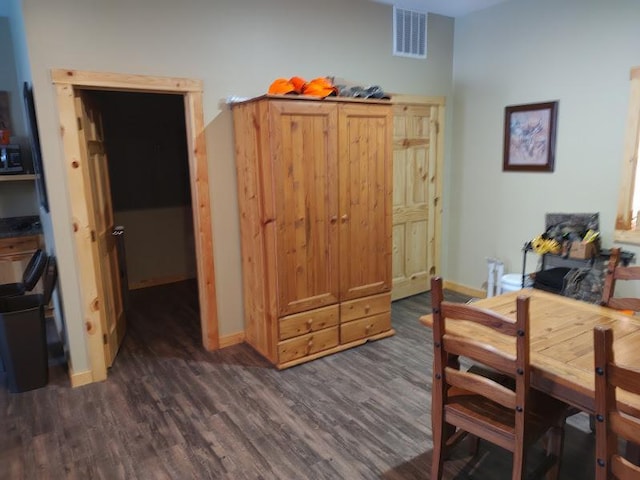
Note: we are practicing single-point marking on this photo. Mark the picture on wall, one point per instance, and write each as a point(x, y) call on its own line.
point(530, 137)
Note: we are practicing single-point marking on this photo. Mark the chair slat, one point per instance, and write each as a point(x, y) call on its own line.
point(487, 318)
point(623, 469)
point(625, 377)
point(624, 303)
point(625, 426)
point(481, 386)
point(482, 353)
point(627, 273)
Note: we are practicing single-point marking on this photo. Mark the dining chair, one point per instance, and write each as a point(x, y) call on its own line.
point(616, 272)
point(30, 276)
point(465, 402)
point(611, 424)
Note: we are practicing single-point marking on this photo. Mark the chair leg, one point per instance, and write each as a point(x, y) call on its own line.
point(555, 442)
point(474, 445)
point(518, 470)
point(438, 430)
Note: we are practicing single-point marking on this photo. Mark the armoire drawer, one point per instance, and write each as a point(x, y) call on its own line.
point(308, 344)
point(365, 327)
point(306, 322)
point(365, 307)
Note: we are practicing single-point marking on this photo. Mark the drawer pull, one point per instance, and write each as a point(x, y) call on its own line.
point(309, 322)
point(368, 327)
point(367, 308)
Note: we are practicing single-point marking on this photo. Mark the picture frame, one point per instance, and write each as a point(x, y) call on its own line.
point(34, 140)
point(530, 137)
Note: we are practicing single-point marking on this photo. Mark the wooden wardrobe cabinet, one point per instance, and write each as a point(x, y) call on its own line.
point(314, 187)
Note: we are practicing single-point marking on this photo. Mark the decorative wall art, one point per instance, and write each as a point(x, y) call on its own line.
point(530, 137)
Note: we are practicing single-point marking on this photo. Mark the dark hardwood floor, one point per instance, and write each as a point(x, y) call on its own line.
point(169, 409)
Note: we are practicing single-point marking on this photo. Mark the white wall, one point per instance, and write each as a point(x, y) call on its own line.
point(159, 244)
point(237, 47)
point(578, 52)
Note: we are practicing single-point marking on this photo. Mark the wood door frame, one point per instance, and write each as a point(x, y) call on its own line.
point(66, 82)
point(435, 196)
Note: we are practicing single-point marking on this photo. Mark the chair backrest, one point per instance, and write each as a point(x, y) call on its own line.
point(33, 270)
point(615, 272)
point(610, 378)
point(447, 348)
point(49, 280)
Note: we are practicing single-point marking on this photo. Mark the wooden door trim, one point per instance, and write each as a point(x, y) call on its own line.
point(417, 100)
point(66, 82)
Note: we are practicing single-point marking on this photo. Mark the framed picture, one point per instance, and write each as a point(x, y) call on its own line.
point(530, 137)
point(34, 139)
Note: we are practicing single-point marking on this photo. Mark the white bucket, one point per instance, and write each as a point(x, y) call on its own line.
point(512, 282)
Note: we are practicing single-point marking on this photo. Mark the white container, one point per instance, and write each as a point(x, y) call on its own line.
point(512, 282)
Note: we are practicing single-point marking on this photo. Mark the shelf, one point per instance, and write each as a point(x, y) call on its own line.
point(17, 178)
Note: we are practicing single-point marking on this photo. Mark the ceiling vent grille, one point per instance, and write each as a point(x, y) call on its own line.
point(409, 33)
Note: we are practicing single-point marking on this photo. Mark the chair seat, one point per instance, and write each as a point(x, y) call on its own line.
point(497, 422)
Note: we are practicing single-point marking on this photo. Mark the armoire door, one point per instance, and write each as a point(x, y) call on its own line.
point(305, 178)
point(417, 160)
point(365, 200)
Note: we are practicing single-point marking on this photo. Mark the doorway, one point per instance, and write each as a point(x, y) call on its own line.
point(146, 147)
point(72, 87)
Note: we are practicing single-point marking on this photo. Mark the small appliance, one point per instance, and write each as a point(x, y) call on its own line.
point(10, 160)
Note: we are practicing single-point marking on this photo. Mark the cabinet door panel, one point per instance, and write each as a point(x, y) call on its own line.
point(365, 200)
point(305, 169)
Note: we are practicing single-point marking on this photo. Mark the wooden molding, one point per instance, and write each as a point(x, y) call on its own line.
point(17, 178)
point(66, 82)
point(80, 378)
point(417, 99)
point(118, 81)
point(627, 236)
point(233, 339)
point(82, 215)
point(154, 282)
point(463, 289)
point(625, 215)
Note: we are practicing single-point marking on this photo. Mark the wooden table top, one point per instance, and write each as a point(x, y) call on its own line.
point(562, 343)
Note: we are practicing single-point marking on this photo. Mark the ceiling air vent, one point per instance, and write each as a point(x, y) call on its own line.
point(409, 33)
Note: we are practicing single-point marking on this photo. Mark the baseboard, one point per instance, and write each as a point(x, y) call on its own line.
point(154, 282)
point(233, 339)
point(80, 378)
point(463, 289)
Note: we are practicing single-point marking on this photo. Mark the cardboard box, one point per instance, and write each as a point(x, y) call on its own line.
point(582, 251)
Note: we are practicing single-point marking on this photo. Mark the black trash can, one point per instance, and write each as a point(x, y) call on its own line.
point(23, 343)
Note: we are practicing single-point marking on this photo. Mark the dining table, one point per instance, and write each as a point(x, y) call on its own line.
point(561, 343)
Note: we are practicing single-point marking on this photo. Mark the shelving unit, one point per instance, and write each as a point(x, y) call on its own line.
point(550, 260)
point(17, 178)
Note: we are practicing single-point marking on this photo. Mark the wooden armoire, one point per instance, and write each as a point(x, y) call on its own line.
point(314, 188)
